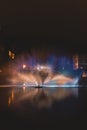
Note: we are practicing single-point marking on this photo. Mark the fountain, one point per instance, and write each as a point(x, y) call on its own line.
point(42, 76)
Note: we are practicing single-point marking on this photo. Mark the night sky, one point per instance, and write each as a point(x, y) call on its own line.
point(57, 25)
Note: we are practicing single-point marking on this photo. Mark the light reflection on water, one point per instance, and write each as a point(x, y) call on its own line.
point(39, 97)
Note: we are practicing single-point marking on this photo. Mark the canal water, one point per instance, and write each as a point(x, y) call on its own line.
point(22, 107)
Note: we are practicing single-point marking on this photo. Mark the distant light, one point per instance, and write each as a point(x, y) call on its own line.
point(24, 66)
point(13, 56)
point(42, 67)
point(38, 67)
point(10, 53)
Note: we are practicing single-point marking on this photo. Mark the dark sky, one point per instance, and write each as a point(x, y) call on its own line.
point(55, 24)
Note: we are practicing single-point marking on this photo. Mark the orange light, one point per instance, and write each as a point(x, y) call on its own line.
point(10, 53)
point(9, 101)
point(76, 62)
point(12, 95)
point(13, 56)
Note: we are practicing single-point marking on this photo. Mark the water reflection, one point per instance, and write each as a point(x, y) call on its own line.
point(39, 97)
point(9, 101)
point(11, 97)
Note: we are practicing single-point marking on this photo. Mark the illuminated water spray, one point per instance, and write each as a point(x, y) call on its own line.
point(30, 73)
point(42, 76)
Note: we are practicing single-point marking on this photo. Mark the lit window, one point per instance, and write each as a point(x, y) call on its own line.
point(10, 53)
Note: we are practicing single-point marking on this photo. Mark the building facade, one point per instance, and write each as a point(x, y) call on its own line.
point(80, 61)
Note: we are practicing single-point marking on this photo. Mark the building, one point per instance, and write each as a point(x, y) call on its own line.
point(5, 55)
point(80, 61)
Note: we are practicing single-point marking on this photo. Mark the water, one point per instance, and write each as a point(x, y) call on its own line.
point(38, 97)
point(41, 107)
